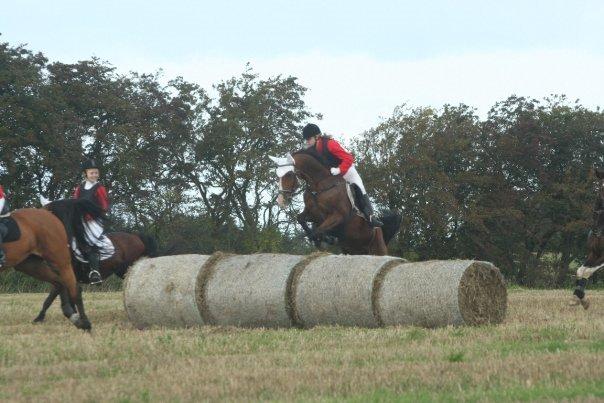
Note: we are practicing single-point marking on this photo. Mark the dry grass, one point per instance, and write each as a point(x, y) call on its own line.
point(544, 350)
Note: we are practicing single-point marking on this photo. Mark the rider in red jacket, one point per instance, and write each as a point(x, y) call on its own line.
point(340, 162)
point(94, 191)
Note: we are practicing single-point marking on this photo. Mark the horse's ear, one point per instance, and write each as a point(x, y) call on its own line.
point(274, 159)
point(599, 173)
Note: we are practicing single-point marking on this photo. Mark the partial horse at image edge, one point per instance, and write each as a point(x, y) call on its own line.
point(43, 235)
point(595, 247)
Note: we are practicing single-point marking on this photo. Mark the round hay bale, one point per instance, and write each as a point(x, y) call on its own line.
point(162, 291)
point(250, 290)
point(339, 290)
point(443, 292)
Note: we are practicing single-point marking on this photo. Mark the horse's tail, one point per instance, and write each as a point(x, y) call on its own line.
point(151, 248)
point(392, 223)
point(72, 213)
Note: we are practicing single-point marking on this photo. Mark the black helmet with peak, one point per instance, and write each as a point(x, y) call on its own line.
point(89, 164)
point(310, 130)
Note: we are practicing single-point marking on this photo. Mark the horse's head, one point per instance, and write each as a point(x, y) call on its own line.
point(288, 181)
point(288, 184)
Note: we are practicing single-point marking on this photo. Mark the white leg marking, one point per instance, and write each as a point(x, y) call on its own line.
point(74, 318)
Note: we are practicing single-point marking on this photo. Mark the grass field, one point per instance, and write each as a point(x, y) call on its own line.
point(545, 351)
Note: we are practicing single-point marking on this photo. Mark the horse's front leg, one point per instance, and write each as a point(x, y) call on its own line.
point(52, 295)
point(330, 222)
point(303, 221)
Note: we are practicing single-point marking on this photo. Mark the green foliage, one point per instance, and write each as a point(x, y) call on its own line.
point(192, 168)
point(515, 189)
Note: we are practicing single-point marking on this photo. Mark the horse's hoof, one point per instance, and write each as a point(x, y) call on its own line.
point(84, 325)
point(585, 303)
point(574, 301)
point(39, 319)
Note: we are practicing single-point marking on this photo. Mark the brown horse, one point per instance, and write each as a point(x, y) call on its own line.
point(595, 247)
point(328, 207)
point(128, 249)
point(44, 236)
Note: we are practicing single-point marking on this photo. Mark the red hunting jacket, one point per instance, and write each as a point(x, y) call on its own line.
point(336, 156)
point(96, 194)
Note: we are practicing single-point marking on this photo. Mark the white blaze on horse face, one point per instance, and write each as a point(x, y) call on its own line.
point(280, 199)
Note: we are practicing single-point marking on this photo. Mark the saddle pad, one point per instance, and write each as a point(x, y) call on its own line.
point(14, 233)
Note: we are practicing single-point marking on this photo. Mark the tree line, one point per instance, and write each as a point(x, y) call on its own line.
point(189, 165)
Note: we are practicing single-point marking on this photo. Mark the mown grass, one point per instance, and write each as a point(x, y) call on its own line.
point(544, 351)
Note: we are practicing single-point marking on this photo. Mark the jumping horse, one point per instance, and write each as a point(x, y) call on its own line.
point(328, 207)
point(595, 248)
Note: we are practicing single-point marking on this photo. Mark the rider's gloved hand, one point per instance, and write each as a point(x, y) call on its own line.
point(335, 171)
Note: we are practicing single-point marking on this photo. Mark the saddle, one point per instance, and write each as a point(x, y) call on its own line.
point(14, 232)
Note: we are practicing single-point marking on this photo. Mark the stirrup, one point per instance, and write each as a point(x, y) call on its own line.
point(374, 222)
point(95, 277)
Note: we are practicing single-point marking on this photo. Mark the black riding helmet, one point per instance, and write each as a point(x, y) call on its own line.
point(89, 164)
point(310, 130)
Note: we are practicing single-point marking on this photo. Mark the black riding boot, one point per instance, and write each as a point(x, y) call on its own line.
point(3, 232)
point(368, 211)
point(94, 262)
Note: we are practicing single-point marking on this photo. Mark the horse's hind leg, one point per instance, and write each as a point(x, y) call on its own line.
point(47, 303)
point(37, 268)
point(67, 307)
point(74, 292)
point(70, 285)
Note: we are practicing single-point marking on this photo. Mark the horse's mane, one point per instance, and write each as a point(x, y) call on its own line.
point(72, 212)
point(311, 152)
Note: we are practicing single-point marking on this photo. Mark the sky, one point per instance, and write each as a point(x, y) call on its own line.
point(359, 60)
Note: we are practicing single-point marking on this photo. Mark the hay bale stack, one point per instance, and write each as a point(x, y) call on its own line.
point(442, 292)
point(250, 290)
point(275, 290)
point(162, 291)
point(339, 290)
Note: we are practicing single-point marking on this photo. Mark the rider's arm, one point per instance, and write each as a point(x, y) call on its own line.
point(102, 198)
point(337, 150)
point(76, 193)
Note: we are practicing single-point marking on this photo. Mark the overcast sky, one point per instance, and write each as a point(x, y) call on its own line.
point(359, 60)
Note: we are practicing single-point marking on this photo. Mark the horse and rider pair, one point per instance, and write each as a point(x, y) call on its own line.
point(34, 242)
point(90, 189)
point(335, 199)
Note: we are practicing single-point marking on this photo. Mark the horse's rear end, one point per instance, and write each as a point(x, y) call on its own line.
point(128, 248)
point(43, 237)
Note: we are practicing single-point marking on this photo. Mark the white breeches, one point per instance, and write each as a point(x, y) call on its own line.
point(352, 176)
point(586, 272)
point(94, 233)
